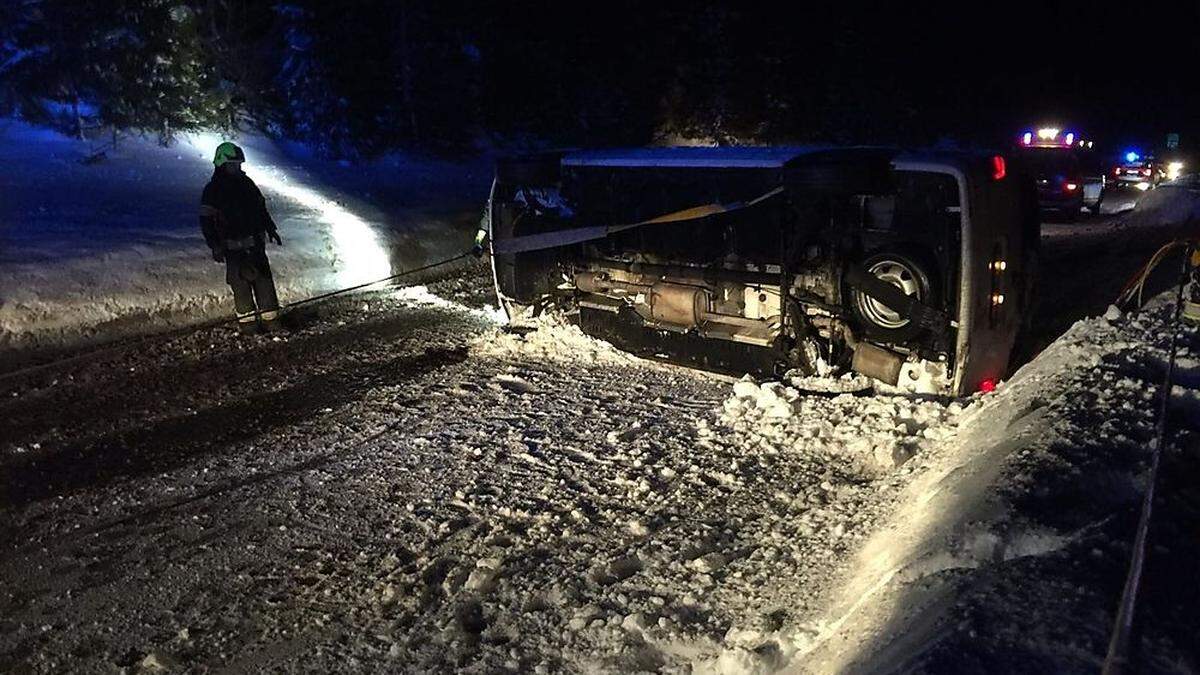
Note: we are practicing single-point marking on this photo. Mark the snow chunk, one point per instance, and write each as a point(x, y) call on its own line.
point(876, 434)
point(553, 339)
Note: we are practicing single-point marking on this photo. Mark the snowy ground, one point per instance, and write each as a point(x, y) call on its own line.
point(396, 485)
point(89, 251)
point(409, 489)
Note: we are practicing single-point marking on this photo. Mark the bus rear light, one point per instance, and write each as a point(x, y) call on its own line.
point(999, 169)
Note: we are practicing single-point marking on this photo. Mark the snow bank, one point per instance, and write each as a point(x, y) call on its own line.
point(94, 249)
point(978, 508)
point(1173, 203)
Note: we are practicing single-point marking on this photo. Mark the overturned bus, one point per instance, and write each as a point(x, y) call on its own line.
point(913, 268)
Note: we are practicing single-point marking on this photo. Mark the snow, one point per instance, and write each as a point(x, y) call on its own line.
point(871, 435)
point(968, 509)
point(420, 295)
point(89, 251)
point(403, 483)
point(1171, 203)
point(551, 339)
point(411, 487)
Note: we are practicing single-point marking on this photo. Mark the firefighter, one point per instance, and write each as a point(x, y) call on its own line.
point(1191, 292)
point(235, 222)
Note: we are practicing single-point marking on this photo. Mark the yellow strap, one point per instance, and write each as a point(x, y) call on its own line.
point(697, 212)
point(687, 214)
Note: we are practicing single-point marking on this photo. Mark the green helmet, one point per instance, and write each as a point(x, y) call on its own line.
point(228, 152)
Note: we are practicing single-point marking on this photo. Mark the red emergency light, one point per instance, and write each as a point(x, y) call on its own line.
point(988, 385)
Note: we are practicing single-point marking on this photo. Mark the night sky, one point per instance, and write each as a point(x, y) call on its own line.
point(1123, 72)
point(915, 72)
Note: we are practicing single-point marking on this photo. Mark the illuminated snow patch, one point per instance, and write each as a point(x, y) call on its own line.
point(420, 295)
point(359, 256)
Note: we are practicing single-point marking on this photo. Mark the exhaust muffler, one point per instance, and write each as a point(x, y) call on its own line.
point(876, 362)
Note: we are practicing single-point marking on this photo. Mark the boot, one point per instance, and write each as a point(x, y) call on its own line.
point(248, 328)
point(1191, 292)
point(272, 322)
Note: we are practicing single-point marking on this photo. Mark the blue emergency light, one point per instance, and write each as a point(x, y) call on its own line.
point(1132, 156)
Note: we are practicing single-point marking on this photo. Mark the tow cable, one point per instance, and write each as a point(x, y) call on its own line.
point(1117, 659)
point(122, 346)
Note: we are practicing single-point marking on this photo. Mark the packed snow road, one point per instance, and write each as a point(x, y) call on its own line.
point(396, 484)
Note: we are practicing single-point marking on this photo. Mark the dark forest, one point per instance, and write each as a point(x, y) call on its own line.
point(362, 77)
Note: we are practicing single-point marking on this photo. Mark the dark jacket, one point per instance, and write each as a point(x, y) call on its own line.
point(233, 213)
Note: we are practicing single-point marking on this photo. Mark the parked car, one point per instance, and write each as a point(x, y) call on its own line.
point(914, 268)
point(1140, 172)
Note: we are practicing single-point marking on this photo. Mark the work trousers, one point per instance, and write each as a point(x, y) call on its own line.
point(248, 273)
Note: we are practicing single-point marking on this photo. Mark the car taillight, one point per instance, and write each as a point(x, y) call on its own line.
point(1145, 172)
point(999, 169)
point(1070, 187)
point(1117, 171)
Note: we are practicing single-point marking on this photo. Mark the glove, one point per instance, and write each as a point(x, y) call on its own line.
point(480, 237)
point(218, 255)
point(274, 236)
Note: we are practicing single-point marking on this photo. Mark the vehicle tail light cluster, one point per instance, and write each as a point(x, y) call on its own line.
point(1070, 187)
point(1145, 172)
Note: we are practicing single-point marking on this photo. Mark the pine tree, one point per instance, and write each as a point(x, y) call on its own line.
point(140, 63)
point(50, 52)
point(153, 73)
